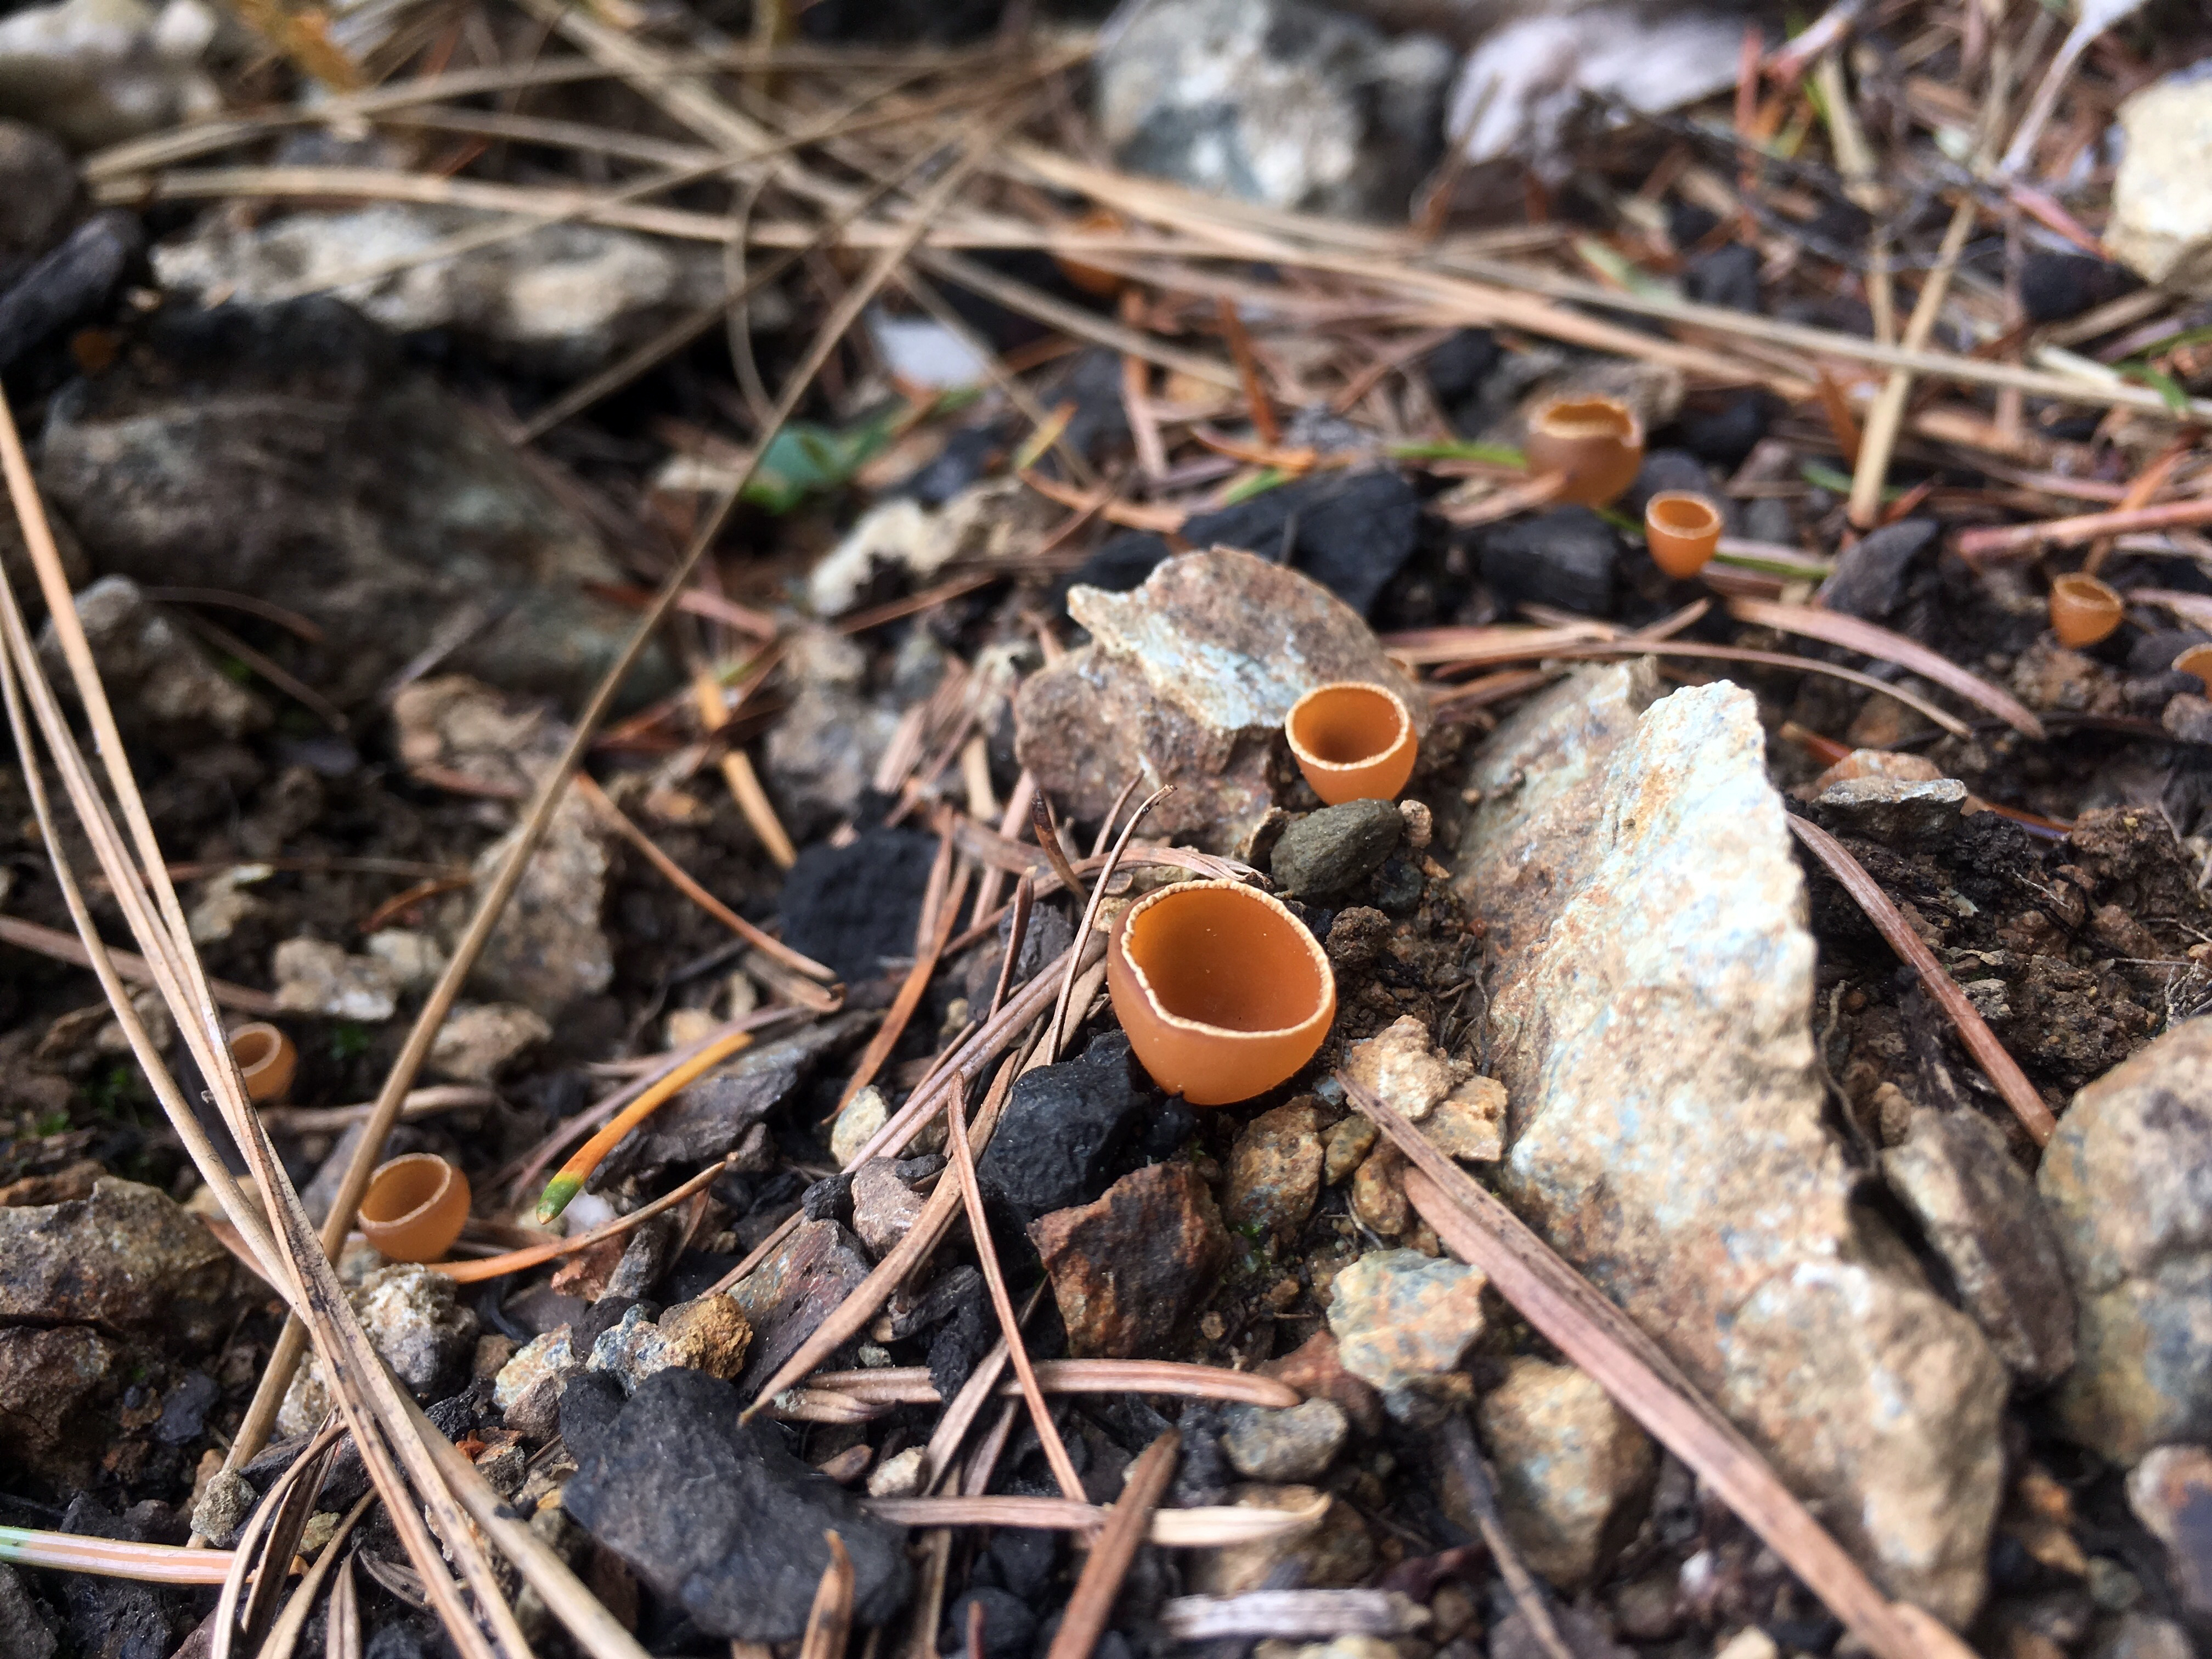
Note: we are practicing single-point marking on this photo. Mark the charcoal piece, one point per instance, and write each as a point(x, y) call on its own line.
point(1025, 1558)
point(184, 1411)
point(1724, 435)
point(1664, 470)
point(70, 283)
point(1062, 1128)
point(1726, 276)
point(960, 1342)
point(853, 907)
point(717, 1515)
point(1870, 577)
point(1564, 557)
point(1457, 368)
point(2055, 286)
point(1009, 1627)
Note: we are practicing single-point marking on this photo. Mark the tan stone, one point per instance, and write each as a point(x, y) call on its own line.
point(1574, 1472)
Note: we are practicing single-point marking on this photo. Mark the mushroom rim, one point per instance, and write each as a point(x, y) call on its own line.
point(1325, 1007)
point(406, 1217)
point(1307, 757)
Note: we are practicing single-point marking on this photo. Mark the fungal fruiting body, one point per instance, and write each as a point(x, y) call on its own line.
point(2196, 660)
point(413, 1207)
point(1222, 991)
point(1682, 528)
point(1595, 443)
point(1352, 741)
point(2083, 610)
point(266, 1059)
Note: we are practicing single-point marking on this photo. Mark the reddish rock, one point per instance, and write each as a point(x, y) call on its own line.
point(1128, 1270)
point(1316, 1370)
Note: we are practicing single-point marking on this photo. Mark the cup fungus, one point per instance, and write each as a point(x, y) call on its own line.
point(1596, 442)
point(1353, 742)
point(265, 1059)
point(2082, 610)
point(1682, 528)
point(415, 1206)
point(1223, 992)
point(2196, 660)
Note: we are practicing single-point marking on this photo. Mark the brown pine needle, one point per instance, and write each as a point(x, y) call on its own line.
point(830, 1621)
point(1870, 639)
point(744, 782)
point(1126, 1527)
point(1204, 1528)
point(940, 909)
point(571, 1175)
point(1996, 1060)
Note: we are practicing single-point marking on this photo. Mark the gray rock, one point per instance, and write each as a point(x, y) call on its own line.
point(1869, 579)
point(1574, 1472)
point(1188, 680)
point(549, 949)
point(707, 1333)
point(413, 1318)
point(165, 685)
point(128, 1258)
point(1401, 1317)
point(1297, 1443)
point(53, 1382)
point(295, 455)
point(716, 1516)
point(314, 976)
point(2188, 717)
point(96, 72)
point(2128, 1180)
point(224, 1505)
point(24, 1632)
point(559, 300)
point(2162, 222)
point(1326, 854)
point(1275, 101)
point(884, 1207)
point(2171, 1492)
point(39, 194)
point(790, 1294)
point(2141, 1636)
point(1652, 1024)
point(1899, 812)
point(544, 1356)
point(1275, 1175)
point(480, 1040)
point(822, 754)
point(1981, 1215)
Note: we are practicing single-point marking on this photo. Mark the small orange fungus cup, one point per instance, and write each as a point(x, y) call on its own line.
point(1223, 993)
point(1596, 442)
point(1104, 284)
point(2196, 660)
point(266, 1059)
point(1682, 528)
point(2083, 610)
point(413, 1207)
point(1353, 742)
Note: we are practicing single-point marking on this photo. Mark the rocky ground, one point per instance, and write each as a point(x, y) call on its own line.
point(1935, 1236)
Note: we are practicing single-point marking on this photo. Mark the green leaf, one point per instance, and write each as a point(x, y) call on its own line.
point(1255, 484)
point(808, 458)
point(1496, 454)
point(2170, 391)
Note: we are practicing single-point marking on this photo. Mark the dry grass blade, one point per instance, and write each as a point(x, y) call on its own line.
point(284, 1635)
point(1570, 1313)
point(1186, 1529)
point(1854, 634)
point(342, 1623)
point(286, 1528)
point(1084, 1620)
point(830, 1620)
point(1316, 1615)
point(253, 1432)
point(248, 1551)
point(1996, 1062)
point(1057, 1033)
point(971, 1196)
point(910, 1384)
point(108, 1557)
point(1994, 539)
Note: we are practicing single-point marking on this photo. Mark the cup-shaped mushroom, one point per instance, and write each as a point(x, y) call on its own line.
point(1682, 528)
point(2082, 610)
point(1353, 741)
point(1222, 991)
point(266, 1059)
point(1595, 442)
point(2196, 660)
point(415, 1206)
point(1104, 284)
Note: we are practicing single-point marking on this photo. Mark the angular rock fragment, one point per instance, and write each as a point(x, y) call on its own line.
point(1128, 1270)
point(314, 976)
point(2162, 222)
point(53, 1381)
point(2171, 1493)
point(1297, 1443)
point(1573, 1469)
point(1186, 681)
point(2128, 1179)
point(418, 1326)
point(128, 1258)
point(1899, 812)
point(549, 949)
point(1400, 1318)
point(1274, 1172)
point(176, 690)
point(1326, 854)
point(1652, 1024)
point(1981, 1215)
point(790, 1294)
point(1462, 1113)
point(822, 754)
point(480, 1040)
point(1063, 1126)
point(717, 1515)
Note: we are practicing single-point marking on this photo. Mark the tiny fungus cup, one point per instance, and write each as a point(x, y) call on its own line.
point(265, 1059)
point(1104, 284)
point(1223, 993)
point(2196, 660)
point(1595, 441)
point(413, 1207)
point(1682, 528)
point(2082, 610)
point(1353, 742)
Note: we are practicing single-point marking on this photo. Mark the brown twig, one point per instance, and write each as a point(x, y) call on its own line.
point(1084, 1620)
point(51, 942)
point(1854, 634)
point(1996, 1062)
point(1992, 540)
point(1482, 1498)
point(830, 1620)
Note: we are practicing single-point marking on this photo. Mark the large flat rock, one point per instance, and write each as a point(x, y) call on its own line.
point(1652, 1025)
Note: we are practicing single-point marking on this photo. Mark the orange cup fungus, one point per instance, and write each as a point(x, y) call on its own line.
point(1353, 742)
point(1222, 991)
point(2083, 610)
point(1596, 442)
point(1104, 284)
point(415, 1206)
point(266, 1059)
point(1682, 528)
point(2196, 660)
